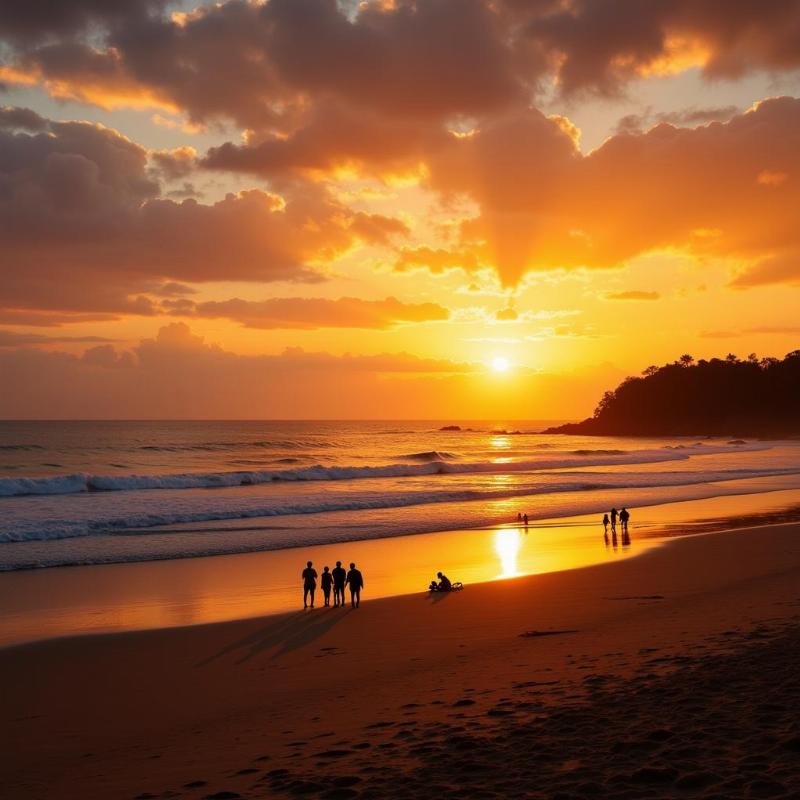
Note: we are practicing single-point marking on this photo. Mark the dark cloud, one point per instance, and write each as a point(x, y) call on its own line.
point(411, 59)
point(266, 65)
point(84, 228)
point(32, 20)
point(599, 45)
point(15, 118)
point(333, 135)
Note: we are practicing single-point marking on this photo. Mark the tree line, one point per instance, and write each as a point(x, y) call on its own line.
point(721, 396)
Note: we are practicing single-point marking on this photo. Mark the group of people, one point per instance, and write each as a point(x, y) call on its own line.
point(336, 579)
point(523, 518)
point(623, 516)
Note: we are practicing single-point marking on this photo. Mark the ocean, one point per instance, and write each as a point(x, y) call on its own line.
point(109, 492)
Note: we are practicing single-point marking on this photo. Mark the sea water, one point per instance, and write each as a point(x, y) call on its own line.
point(106, 492)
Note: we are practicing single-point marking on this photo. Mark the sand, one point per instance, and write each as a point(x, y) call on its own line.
point(670, 674)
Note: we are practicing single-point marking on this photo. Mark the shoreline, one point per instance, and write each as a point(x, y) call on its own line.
point(97, 599)
point(270, 704)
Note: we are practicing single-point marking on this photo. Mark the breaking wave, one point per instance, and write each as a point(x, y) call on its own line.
point(433, 463)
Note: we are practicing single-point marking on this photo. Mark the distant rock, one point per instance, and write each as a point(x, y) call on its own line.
point(450, 428)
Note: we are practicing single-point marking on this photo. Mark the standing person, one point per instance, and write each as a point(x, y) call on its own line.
point(339, 576)
point(624, 516)
point(525, 520)
point(326, 581)
point(355, 581)
point(309, 577)
point(519, 516)
point(605, 524)
point(613, 519)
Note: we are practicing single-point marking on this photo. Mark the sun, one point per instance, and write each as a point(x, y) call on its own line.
point(500, 364)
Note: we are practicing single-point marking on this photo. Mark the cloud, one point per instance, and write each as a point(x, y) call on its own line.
point(633, 294)
point(85, 229)
point(263, 64)
point(436, 260)
point(757, 330)
point(313, 313)
point(595, 45)
point(31, 21)
point(543, 205)
point(688, 117)
point(15, 118)
point(22, 339)
point(783, 267)
point(507, 314)
point(178, 375)
point(176, 163)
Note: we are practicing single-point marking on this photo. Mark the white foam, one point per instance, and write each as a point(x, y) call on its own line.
point(70, 484)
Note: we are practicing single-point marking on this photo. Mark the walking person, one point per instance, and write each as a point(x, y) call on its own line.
point(355, 580)
point(624, 516)
point(309, 577)
point(339, 577)
point(613, 519)
point(326, 581)
point(605, 524)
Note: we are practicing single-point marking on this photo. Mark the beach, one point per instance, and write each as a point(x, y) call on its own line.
point(669, 674)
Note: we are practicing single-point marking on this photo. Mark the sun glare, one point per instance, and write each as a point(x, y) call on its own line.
point(500, 364)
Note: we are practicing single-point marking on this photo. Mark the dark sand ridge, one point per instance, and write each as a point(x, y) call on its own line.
point(673, 674)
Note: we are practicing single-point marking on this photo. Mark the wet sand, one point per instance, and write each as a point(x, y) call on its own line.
point(668, 675)
point(40, 604)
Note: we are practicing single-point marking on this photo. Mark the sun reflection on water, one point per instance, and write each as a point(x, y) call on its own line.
point(507, 542)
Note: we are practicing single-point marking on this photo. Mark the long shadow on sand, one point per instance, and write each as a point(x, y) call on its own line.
point(283, 635)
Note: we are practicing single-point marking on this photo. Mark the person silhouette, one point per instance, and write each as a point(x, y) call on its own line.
point(326, 581)
point(339, 577)
point(445, 584)
point(525, 520)
point(624, 516)
point(355, 580)
point(613, 519)
point(309, 577)
point(605, 524)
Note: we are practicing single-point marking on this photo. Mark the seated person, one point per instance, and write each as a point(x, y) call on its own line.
point(444, 582)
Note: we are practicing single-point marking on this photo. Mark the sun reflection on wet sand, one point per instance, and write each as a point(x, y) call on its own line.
point(507, 543)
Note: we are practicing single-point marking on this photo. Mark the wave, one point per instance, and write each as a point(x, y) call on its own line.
point(430, 455)
point(81, 482)
point(136, 522)
point(597, 452)
point(277, 444)
point(21, 447)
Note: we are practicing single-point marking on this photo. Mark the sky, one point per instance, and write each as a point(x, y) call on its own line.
point(438, 209)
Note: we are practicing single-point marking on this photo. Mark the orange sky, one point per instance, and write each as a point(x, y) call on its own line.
point(304, 208)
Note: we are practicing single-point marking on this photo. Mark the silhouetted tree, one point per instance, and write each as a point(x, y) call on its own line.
point(725, 397)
